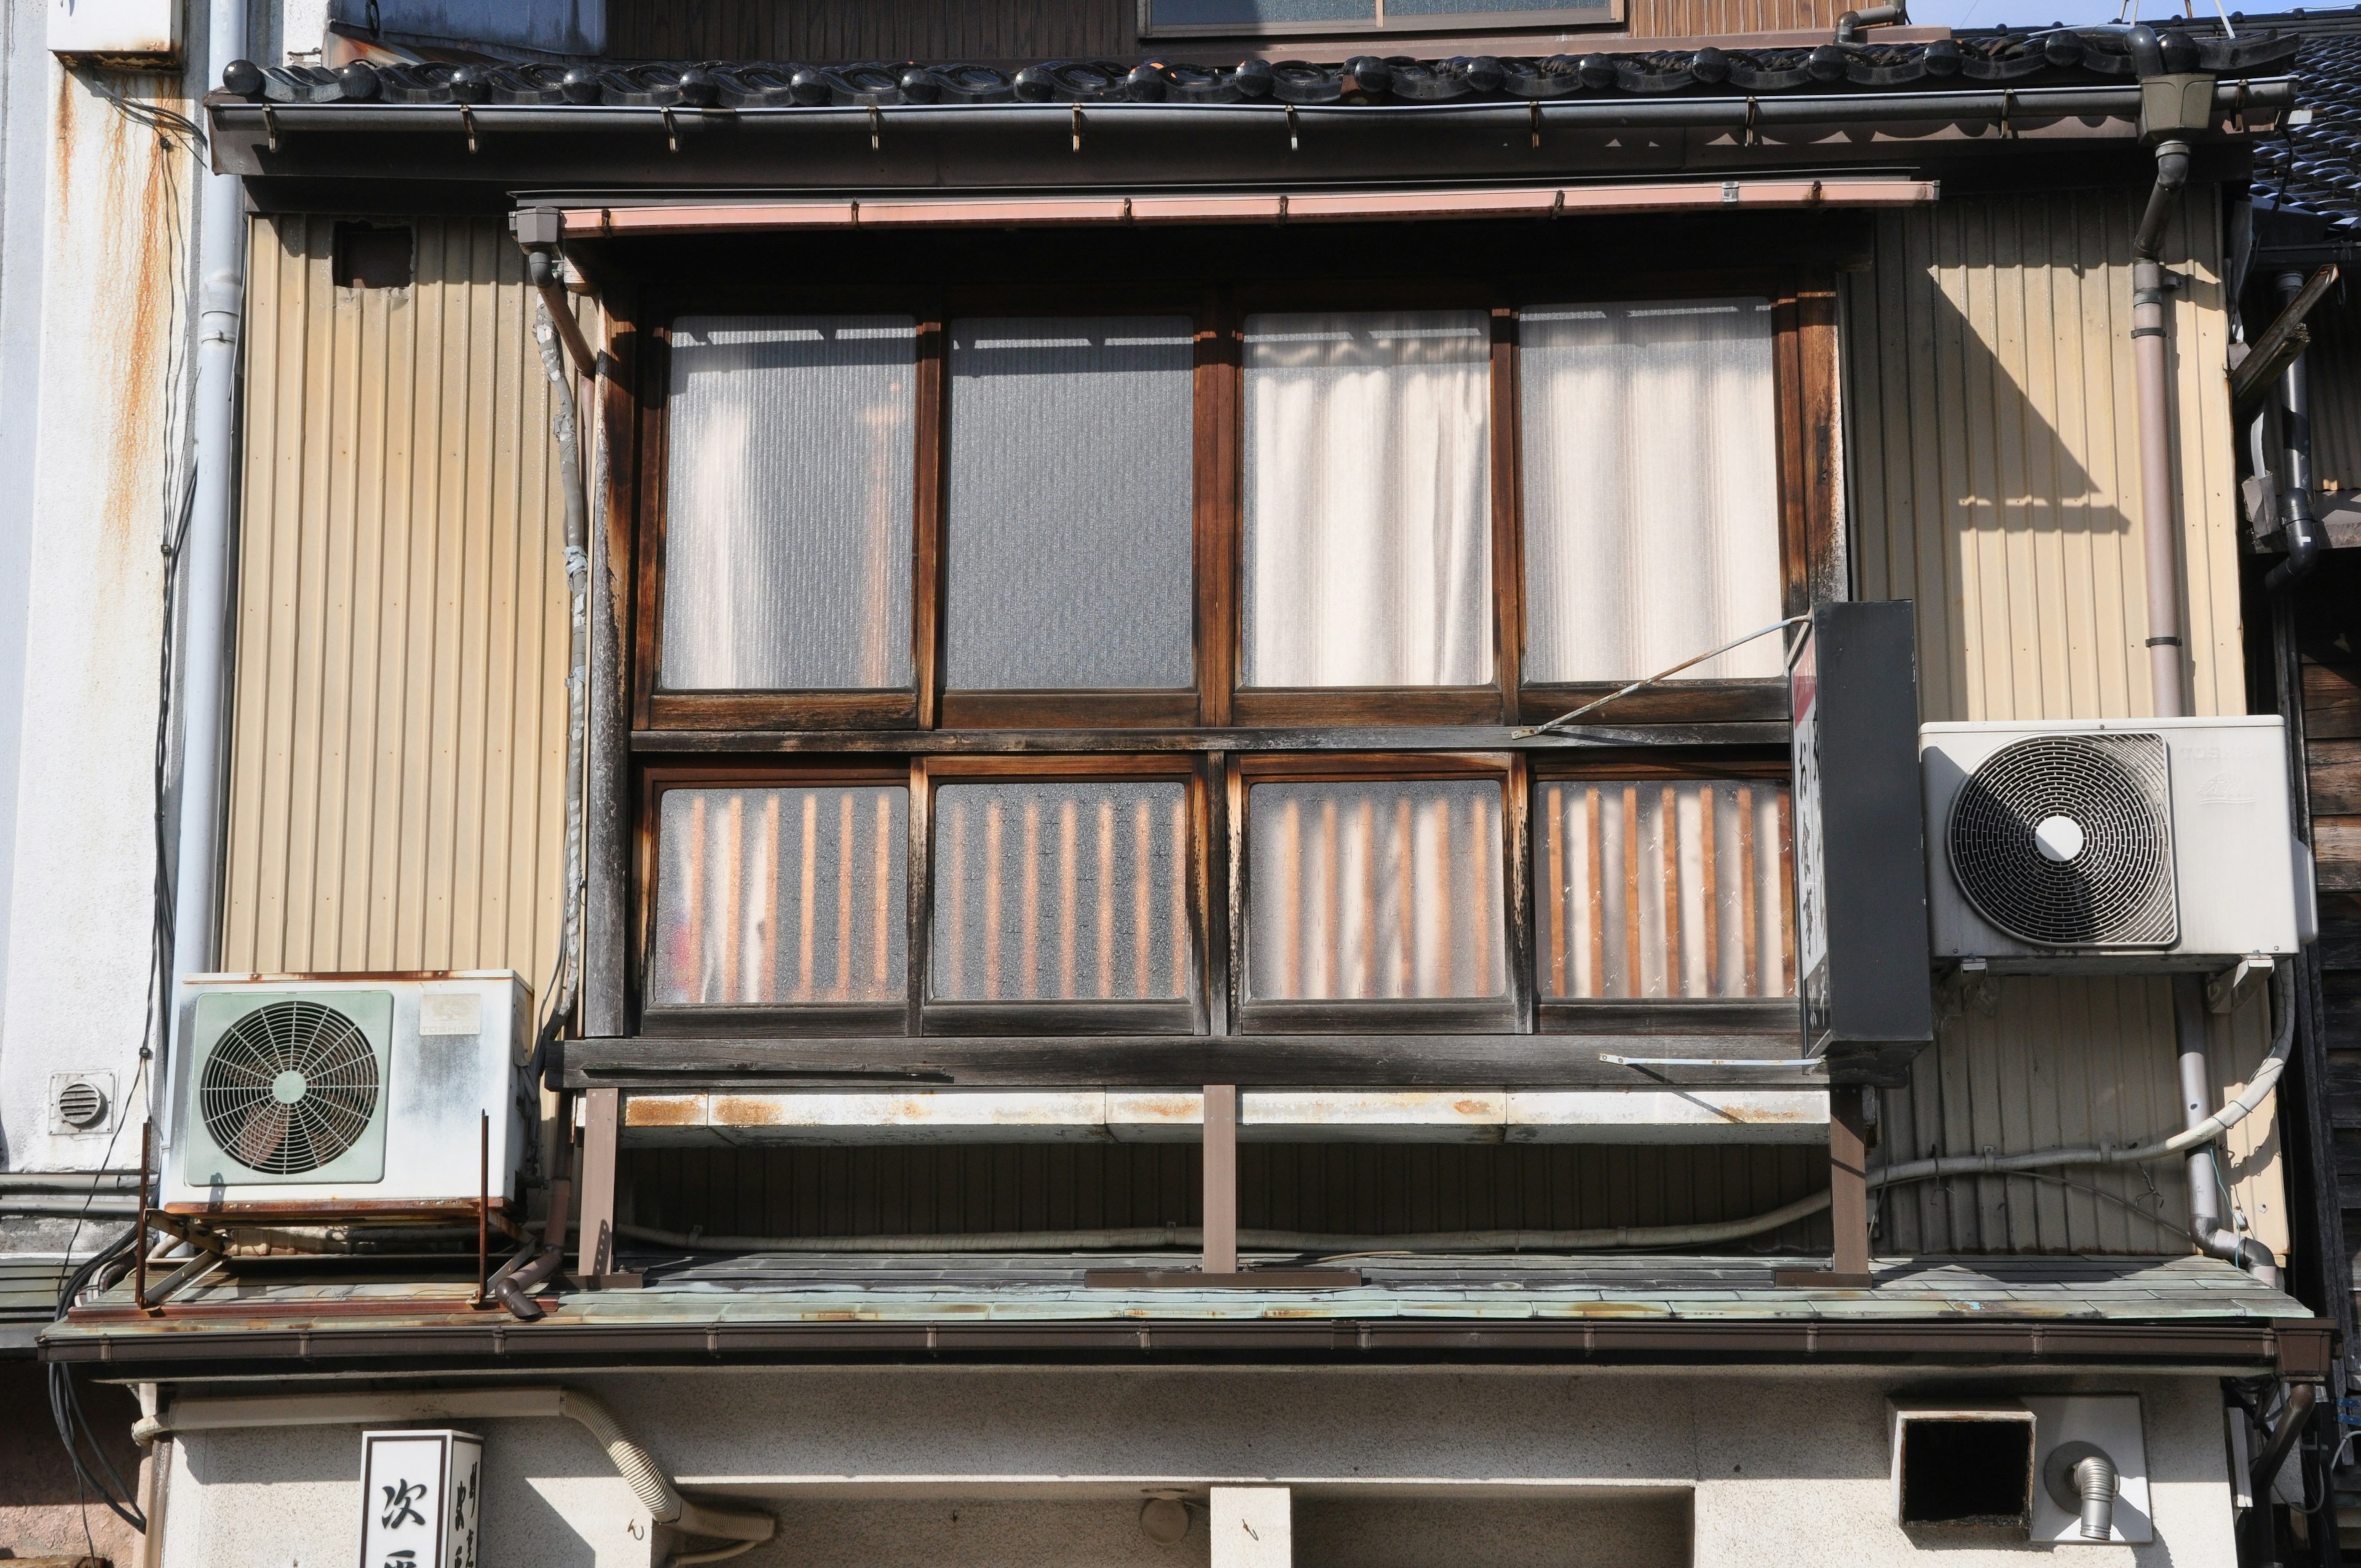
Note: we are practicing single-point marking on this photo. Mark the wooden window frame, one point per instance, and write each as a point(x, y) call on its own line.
point(775, 1018)
point(1508, 1013)
point(1804, 396)
point(1655, 1015)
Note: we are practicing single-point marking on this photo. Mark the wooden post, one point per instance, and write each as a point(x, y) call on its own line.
point(1221, 1179)
point(1251, 1527)
point(561, 1176)
point(1849, 1187)
point(602, 1121)
point(1848, 1201)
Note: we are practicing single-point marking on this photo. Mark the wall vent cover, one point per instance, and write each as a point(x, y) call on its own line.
point(2066, 840)
point(289, 1087)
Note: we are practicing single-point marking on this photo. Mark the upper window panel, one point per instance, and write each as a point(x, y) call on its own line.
point(1367, 543)
point(1652, 489)
point(788, 506)
point(1359, 15)
point(1067, 556)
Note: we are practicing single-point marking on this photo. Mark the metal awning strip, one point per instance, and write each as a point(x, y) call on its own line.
point(1263, 207)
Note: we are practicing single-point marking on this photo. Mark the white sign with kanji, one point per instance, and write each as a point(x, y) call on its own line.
point(421, 1500)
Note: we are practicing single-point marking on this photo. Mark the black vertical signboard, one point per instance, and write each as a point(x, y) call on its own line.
point(1861, 963)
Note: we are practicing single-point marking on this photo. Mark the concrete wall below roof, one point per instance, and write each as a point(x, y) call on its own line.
point(1041, 1466)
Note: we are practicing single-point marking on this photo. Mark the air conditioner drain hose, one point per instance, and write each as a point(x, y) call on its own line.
point(653, 1487)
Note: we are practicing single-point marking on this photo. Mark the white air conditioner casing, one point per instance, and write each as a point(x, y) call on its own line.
point(349, 1093)
point(2113, 844)
point(135, 35)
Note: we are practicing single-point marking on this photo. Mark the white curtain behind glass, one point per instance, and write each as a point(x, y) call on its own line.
point(1652, 489)
point(788, 478)
point(1368, 553)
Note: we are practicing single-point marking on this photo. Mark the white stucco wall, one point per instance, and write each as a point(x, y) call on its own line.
point(1048, 1466)
point(89, 490)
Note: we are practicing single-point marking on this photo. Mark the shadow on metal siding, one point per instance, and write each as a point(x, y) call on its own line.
point(397, 760)
point(1995, 479)
point(1995, 462)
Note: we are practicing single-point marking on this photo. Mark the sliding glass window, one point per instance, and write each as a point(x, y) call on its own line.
point(1652, 502)
point(789, 472)
point(1068, 554)
point(1366, 543)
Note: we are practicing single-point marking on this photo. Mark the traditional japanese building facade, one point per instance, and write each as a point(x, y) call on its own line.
point(1023, 651)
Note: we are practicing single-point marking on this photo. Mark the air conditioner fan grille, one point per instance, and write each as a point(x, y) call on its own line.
point(289, 1087)
point(2066, 840)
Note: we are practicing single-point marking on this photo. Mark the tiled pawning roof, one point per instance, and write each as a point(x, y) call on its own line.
point(2316, 169)
point(2054, 57)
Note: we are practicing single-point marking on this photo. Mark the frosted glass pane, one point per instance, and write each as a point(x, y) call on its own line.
point(1068, 554)
point(782, 895)
point(1368, 544)
point(1375, 890)
point(1652, 489)
point(1648, 889)
point(788, 516)
point(1060, 892)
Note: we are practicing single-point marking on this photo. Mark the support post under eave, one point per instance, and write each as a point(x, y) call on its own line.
point(601, 1124)
point(1221, 1179)
point(1848, 1200)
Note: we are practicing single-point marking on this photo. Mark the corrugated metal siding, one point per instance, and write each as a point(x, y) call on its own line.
point(1711, 18)
point(1995, 463)
point(1366, 1188)
point(1994, 474)
point(397, 762)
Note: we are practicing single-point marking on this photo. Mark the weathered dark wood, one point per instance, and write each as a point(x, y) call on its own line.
point(1642, 1021)
point(1066, 711)
point(1359, 705)
point(2331, 702)
point(2340, 938)
point(1024, 1019)
point(780, 710)
point(885, 1020)
point(1706, 742)
point(2335, 776)
point(1676, 702)
point(1360, 1017)
point(606, 790)
point(1308, 1061)
point(2336, 852)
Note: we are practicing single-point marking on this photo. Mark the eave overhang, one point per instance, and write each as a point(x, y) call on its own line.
point(620, 156)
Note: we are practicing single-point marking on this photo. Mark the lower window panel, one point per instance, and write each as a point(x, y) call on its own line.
point(1650, 888)
point(1057, 892)
point(781, 896)
point(1388, 889)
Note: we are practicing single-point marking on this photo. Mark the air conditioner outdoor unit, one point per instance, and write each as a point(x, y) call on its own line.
point(2113, 844)
point(357, 1094)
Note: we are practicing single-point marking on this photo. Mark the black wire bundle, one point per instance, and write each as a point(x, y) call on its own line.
point(65, 1401)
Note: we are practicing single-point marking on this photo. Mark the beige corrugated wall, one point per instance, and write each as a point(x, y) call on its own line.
point(1994, 481)
point(398, 753)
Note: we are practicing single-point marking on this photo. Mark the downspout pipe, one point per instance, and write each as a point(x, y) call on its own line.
point(204, 655)
point(2159, 535)
point(2150, 356)
point(2298, 526)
